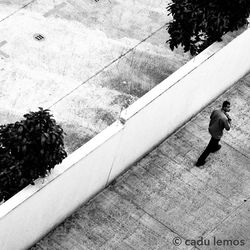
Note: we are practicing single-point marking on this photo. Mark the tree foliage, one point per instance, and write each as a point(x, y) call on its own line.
point(29, 149)
point(197, 24)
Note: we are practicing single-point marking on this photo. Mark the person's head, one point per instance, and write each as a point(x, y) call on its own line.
point(226, 106)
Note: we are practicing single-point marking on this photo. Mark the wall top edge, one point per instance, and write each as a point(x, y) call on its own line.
point(178, 75)
point(116, 127)
point(66, 164)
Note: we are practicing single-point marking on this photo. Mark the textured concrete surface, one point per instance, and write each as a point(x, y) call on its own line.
point(97, 57)
point(164, 197)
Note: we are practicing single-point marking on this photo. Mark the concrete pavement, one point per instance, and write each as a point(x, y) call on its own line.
point(97, 57)
point(165, 202)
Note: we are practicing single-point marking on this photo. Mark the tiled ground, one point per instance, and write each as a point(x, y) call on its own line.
point(164, 197)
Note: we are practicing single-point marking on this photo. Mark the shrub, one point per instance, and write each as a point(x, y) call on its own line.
point(197, 24)
point(29, 149)
point(11, 180)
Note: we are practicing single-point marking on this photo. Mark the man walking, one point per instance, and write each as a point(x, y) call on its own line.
point(219, 120)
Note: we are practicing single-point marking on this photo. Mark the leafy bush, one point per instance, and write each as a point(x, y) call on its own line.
point(199, 23)
point(29, 149)
point(11, 180)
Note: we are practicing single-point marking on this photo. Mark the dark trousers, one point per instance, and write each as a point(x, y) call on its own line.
point(212, 146)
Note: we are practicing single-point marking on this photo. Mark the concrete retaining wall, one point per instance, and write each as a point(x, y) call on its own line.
point(31, 213)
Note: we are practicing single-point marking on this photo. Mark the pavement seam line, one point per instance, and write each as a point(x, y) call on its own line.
point(229, 215)
point(198, 191)
point(197, 176)
point(13, 13)
point(108, 65)
point(151, 216)
point(229, 145)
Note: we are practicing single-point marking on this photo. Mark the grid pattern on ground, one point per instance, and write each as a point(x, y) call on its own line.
point(164, 195)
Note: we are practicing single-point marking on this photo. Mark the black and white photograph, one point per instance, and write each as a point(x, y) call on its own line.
point(124, 125)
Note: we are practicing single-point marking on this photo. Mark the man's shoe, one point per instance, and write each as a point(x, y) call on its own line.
point(218, 148)
point(200, 163)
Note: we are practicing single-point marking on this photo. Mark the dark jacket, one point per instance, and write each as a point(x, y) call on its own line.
point(218, 121)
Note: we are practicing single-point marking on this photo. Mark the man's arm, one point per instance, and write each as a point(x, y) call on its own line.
point(227, 122)
point(212, 114)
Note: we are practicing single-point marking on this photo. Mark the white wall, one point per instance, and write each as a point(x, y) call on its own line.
point(35, 210)
point(170, 104)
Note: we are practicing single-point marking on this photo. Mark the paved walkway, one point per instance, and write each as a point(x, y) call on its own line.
point(165, 197)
